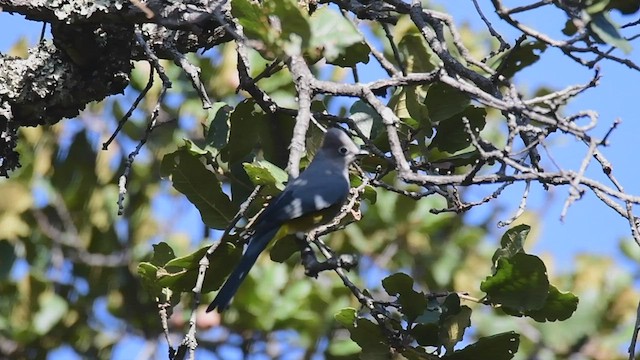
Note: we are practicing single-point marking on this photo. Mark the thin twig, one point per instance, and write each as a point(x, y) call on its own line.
point(503, 44)
point(394, 48)
point(194, 75)
point(126, 116)
point(166, 84)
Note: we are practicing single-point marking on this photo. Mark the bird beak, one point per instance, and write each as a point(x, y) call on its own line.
point(362, 153)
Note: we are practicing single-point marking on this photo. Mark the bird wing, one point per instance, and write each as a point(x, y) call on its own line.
point(308, 194)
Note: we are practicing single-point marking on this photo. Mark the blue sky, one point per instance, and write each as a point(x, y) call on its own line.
point(590, 226)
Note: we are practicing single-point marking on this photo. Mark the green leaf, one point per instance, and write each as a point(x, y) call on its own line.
point(515, 237)
point(370, 194)
point(195, 149)
point(180, 274)
point(413, 303)
point(444, 101)
point(284, 248)
point(415, 102)
point(451, 305)
point(398, 104)
point(366, 118)
point(254, 20)
point(426, 334)
point(518, 58)
point(569, 28)
point(190, 261)
point(351, 56)
point(451, 135)
point(606, 30)
point(407, 104)
point(218, 131)
point(417, 55)
point(443, 162)
point(500, 346)
point(340, 41)
point(346, 317)
point(265, 173)
point(559, 306)
point(200, 186)
point(520, 283)
point(367, 335)
point(398, 283)
point(148, 275)
point(275, 137)
point(293, 21)
point(512, 242)
point(223, 260)
point(247, 122)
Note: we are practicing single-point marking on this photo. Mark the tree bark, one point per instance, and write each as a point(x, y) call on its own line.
point(90, 56)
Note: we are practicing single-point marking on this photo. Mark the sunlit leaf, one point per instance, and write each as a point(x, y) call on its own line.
point(253, 18)
point(417, 55)
point(407, 104)
point(512, 242)
point(293, 21)
point(263, 172)
point(339, 40)
point(346, 317)
point(180, 274)
point(415, 102)
point(520, 283)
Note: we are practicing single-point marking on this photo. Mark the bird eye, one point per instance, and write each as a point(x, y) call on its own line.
point(343, 150)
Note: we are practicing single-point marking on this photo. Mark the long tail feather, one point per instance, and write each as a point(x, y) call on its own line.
point(257, 244)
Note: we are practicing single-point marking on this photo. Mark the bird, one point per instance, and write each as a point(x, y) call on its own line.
point(310, 200)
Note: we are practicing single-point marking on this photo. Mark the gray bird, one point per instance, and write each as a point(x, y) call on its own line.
point(310, 200)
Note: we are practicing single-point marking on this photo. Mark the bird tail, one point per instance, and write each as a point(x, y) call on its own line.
point(257, 244)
